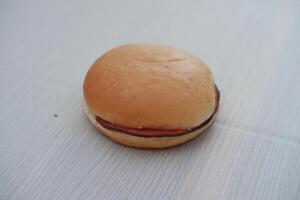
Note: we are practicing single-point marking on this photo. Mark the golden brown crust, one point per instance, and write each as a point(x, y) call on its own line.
point(144, 142)
point(145, 132)
point(150, 86)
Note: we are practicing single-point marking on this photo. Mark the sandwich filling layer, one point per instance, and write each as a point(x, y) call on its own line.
point(148, 132)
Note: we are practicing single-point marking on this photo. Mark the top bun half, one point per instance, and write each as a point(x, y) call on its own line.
point(150, 86)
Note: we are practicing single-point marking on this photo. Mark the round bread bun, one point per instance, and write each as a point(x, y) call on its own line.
point(150, 96)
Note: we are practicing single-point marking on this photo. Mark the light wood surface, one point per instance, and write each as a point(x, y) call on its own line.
point(49, 150)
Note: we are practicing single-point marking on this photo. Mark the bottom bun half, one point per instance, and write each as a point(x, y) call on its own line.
point(144, 142)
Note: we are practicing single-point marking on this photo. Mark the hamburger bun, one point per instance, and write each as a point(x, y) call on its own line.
point(150, 96)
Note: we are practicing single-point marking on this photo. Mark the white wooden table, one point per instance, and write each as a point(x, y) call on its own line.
point(49, 150)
